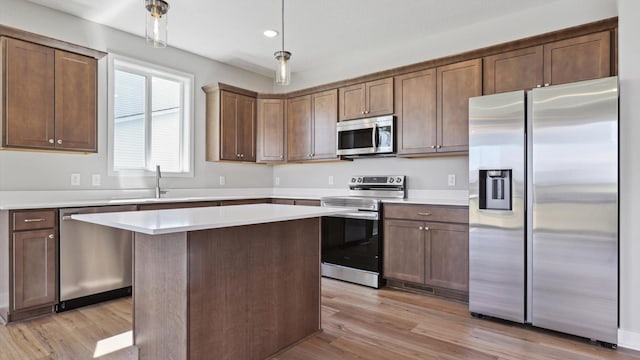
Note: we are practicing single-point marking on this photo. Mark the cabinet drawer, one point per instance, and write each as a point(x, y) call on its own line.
point(454, 214)
point(29, 220)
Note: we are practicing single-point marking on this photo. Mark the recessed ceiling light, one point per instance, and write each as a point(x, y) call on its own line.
point(270, 33)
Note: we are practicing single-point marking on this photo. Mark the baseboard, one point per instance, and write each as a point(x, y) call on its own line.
point(629, 339)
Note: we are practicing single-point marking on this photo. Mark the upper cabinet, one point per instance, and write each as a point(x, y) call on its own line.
point(432, 108)
point(576, 59)
point(368, 99)
point(311, 126)
point(231, 126)
point(49, 97)
point(271, 130)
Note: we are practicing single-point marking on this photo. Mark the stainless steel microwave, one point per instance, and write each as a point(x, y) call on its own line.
point(370, 136)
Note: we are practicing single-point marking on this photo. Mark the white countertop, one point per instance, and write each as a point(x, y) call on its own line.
point(156, 222)
point(42, 199)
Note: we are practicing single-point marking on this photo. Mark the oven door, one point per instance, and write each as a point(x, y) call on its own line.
point(365, 136)
point(353, 240)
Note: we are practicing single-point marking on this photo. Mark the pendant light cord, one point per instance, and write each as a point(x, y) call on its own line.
point(282, 25)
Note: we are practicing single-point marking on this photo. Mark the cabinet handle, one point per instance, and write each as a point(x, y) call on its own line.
point(546, 84)
point(50, 236)
point(420, 228)
point(51, 141)
point(361, 112)
point(538, 85)
point(242, 155)
point(426, 228)
point(33, 220)
point(59, 141)
point(366, 112)
point(439, 146)
point(433, 146)
point(424, 213)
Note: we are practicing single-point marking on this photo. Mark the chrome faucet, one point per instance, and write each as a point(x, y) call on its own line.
point(158, 176)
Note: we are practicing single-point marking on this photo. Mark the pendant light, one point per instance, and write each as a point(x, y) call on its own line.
point(283, 72)
point(156, 32)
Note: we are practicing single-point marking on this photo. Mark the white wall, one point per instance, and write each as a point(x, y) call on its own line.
point(534, 21)
point(51, 171)
point(629, 73)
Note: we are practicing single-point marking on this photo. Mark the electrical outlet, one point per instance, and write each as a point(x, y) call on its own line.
point(223, 180)
point(75, 179)
point(330, 179)
point(95, 180)
point(452, 180)
point(276, 181)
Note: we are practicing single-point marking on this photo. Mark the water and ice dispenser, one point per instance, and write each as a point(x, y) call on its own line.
point(495, 189)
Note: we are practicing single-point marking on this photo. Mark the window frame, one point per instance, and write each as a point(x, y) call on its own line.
point(148, 70)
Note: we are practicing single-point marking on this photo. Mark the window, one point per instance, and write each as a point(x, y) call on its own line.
point(150, 119)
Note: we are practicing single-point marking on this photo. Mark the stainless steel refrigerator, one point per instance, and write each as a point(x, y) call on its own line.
point(543, 207)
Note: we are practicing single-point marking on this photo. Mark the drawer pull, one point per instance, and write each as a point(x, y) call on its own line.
point(33, 220)
point(424, 213)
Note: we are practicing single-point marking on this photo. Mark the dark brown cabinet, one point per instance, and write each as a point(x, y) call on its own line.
point(581, 58)
point(368, 99)
point(28, 255)
point(271, 130)
point(311, 126)
point(433, 108)
point(237, 127)
point(49, 97)
point(576, 59)
point(428, 246)
point(513, 70)
point(416, 112)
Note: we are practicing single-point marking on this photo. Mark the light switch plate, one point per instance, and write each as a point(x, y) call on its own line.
point(75, 179)
point(95, 180)
point(452, 180)
point(223, 180)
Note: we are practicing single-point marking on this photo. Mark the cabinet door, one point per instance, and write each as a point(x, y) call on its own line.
point(28, 87)
point(270, 130)
point(456, 84)
point(582, 58)
point(246, 128)
point(299, 128)
point(34, 266)
point(75, 102)
point(228, 129)
point(416, 111)
point(513, 70)
point(379, 97)
point(447, 256)
point(352, 102)
point(325, 117)
point(404, 250)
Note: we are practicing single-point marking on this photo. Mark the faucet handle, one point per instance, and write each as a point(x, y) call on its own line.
point(158, 172)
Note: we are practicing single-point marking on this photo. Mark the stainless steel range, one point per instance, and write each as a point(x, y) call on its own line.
point(352, 243)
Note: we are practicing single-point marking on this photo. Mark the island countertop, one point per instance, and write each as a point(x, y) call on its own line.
point(155, 222)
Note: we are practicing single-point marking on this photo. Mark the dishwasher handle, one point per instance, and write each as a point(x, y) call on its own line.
point(68, 216)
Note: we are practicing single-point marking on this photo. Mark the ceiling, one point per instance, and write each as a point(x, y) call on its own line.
point(316, 32)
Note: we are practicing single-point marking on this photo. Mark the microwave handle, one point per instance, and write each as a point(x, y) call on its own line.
point(374, 136)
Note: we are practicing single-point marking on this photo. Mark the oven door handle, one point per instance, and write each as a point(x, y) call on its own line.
point(365, 215)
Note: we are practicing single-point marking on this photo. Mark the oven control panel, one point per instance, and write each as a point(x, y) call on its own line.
point(377, 180)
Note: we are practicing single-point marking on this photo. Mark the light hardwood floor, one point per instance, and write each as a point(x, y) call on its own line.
point(358, 322)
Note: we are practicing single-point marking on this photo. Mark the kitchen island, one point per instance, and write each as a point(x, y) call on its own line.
point(235, 282)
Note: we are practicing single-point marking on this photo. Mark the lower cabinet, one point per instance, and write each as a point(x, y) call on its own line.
point(426, 254)
point(28, 263)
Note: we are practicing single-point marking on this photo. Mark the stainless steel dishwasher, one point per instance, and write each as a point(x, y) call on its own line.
point(95, 261)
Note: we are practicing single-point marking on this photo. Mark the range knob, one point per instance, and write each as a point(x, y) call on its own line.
point(359, 180)
point(398, 179)
point(390, 180)
point(353, 180)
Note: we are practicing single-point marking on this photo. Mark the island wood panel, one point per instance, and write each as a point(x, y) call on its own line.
point(513, 70)
point(253, 290)
point(28, 100)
